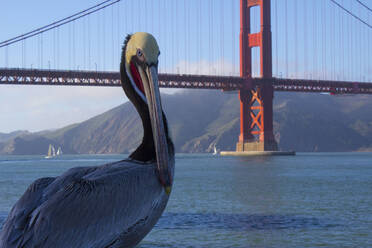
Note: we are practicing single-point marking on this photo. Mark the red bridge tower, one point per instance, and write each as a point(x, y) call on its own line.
point(256, 103)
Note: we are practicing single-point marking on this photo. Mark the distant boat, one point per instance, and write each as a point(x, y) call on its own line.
point(215, 152)
point(51, 151)
point(59, 151)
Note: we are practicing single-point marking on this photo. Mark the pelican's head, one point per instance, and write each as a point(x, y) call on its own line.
point(139, 74)
point(140, 53)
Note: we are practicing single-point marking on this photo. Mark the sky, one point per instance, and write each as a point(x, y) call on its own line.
point(311, 39)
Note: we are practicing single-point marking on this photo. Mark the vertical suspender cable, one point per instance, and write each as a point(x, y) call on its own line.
point(152, 16)
point(221, 36)
point(338, 37)
point(41, 51)
point(363, 38)
point(340, 68)
point(139, 15)
point(200, 35)
point(341, 46)
point(112, 39)
point(73, 45)
point(198, 23)
point(366, 58)
point(355, 53)
point(369, 66)
point(286, 38)
point(305, 38)
point(351, 50)
point(38, 51)
point(166, 60)
point(314, 41)
point(96, 53)
point(70, 46)
point(212, 43)
point(177, 50)
point(296, 40)
point(160, 30)
point(54, 48)
point(104, 40)
point(57, 50)
point(233, 35)
point(332, 44)
point(210, 39)
point(172, 36)
point(360, 47)
point(131, 15)
point(89, 38)
point(276, 39)
point(185, 39)
point(189, 36)
point(23, 54)
point(336, 51)
point(145, 26)
point(324, 39)
point(25, 48)
point(7, 56)
point(188, 20)
point(39, 55)
point(118, 34)
point(83, 40)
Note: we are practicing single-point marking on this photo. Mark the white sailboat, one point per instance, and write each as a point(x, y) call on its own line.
point(215, 152)
point(51, 151)
point(59, 151)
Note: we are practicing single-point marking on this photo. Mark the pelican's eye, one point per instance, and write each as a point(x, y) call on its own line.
point(140, 54)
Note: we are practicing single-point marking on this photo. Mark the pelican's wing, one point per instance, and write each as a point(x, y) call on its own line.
point(18, 217)
point(95, 209)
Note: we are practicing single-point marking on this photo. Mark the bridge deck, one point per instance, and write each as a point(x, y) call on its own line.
point(226, 83)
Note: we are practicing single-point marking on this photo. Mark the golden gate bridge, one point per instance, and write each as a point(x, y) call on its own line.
point(255, 83)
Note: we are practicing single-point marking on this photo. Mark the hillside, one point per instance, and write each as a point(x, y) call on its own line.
point(200, 119)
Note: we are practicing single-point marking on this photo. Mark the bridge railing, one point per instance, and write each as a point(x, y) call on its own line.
point(17, 76)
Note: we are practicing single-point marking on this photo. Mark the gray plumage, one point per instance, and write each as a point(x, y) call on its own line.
point(88, 207)
point(113, 205)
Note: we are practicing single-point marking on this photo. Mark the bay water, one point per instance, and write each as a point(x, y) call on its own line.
point(307, 200)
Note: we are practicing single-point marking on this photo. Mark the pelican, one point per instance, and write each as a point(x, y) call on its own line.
point(113, 205)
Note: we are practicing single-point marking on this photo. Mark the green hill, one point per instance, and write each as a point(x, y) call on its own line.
point(200, 119)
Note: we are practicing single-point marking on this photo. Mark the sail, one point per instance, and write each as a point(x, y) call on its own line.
point(50, 150)
point(215, 152)
point(59, 151)
point(53, 151)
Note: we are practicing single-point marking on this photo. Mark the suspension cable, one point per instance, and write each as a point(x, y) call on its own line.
point(365, 6)
point(350, 13)
point(52, 26)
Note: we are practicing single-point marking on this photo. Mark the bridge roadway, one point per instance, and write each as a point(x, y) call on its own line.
point(16, 76)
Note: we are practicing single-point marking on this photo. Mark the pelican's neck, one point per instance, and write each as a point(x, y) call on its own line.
point(146, 150)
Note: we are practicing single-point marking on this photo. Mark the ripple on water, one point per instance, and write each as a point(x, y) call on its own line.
point(192, 223)
point(3, 216)
point(245, 222)
point(240, 221)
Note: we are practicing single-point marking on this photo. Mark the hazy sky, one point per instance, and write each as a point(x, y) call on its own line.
point(195, 36)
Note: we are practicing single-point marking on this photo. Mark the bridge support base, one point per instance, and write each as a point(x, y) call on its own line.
point(257, 146)
point(256, 120)
point(258, 153)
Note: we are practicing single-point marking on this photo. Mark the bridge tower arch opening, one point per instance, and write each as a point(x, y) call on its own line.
point(256, 103)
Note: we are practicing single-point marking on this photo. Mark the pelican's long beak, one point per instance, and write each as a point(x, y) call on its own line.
point(151, 86)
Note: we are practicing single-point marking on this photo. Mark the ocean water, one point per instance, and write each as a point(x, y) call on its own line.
point(307, 200)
